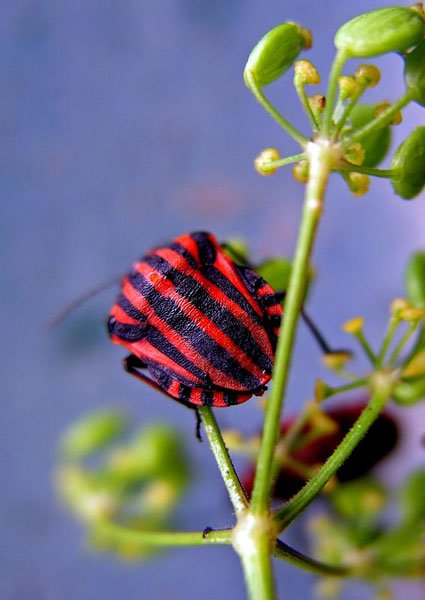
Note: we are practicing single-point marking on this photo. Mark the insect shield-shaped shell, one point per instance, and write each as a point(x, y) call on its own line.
point(203, 327)
point(395, 29)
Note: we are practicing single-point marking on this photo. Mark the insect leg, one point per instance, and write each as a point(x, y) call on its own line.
point(132, 364)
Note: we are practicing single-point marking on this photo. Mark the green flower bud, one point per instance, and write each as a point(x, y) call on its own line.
point(358, 499)
point(410, 391)
point(414, 72)
point(263, 160)
point(376, 145)
point(408, 165)
point(394, 29)
point(413, 496)
point(275, 53)
point(415, 279)
point(159, 451)
point(91, 434)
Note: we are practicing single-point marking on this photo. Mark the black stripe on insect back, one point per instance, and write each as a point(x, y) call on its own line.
point(155, 337)
point(176, 247)
point(173, 315)
point(129, 309)
point(125, 331)
point(206, 248)
point(197, 295)
point(219, 280)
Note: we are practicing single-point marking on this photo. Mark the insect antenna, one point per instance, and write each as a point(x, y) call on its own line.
point(74, 304)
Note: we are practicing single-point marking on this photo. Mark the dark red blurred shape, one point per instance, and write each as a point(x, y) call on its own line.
point(381, 438)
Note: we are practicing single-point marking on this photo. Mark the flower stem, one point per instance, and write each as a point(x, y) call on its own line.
point(383, 387)
point(403, 341)
point(338, 63)
point(270, 109)
point(382, 173)
point(319, 171)
point(143, 539)
point(384, 119)
point(282, 162)
point(224, 462)
point(293, 557)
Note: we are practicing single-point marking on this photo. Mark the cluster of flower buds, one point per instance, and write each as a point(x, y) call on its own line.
point(394, 29)
point(102, 480)
point(357, 531)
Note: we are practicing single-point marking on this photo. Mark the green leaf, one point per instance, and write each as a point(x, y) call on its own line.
point(408, 165)
point(394, 29)
point(276, 272)
point(275, 53)
point(415, 279)
point(414, 72)
point(375, 145)
point(91, 434)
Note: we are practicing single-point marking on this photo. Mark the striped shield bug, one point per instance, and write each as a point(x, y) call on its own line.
point(199, 327)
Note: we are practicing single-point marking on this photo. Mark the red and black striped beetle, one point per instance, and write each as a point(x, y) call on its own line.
point(200, 328)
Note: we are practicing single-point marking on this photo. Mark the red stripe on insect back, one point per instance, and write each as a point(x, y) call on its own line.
point(191, 246)
point(180, 264)
point(122, 316)
point(147, 352)
point(174, 388)
point(137, 299)
point(210, 328)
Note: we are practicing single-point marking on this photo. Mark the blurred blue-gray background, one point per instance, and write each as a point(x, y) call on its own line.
point(123, 124)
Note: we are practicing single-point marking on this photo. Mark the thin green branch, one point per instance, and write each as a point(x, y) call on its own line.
point(300, 88)
point(353, 101)
point(270, 109)
point(383, 386)
point(337, 66)
point(300, 560)
point(403, 341)
point(389, 334)
point(148, 539)
point(224, 462)
point(364, 344)
point(282, 162)
point(382, 120)
point(319, 172)
point(343, 167)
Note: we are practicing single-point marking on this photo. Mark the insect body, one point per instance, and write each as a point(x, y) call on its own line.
point(199, 327)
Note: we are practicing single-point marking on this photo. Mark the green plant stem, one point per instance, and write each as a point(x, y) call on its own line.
point(270, 109)
point(337, 66)
point(257, 567)
point(282, 162)
point(297, 559)
point(312, 488)
point(305, 103)
point(224, 462)
point(366, 347)
point(384, 119)
point(319, 173)
point(405, 338)
point(382, 173)
point(142, 539)
point(345, 388)
point(389, 334)
point(359, 92)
